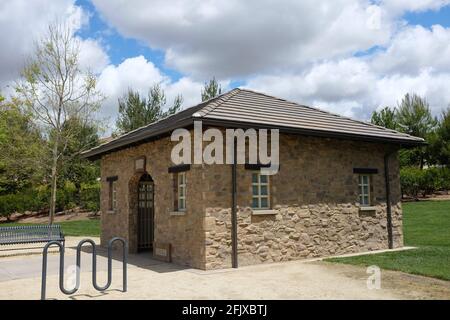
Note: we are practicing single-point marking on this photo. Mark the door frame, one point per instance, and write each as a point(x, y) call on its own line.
point(142, 243)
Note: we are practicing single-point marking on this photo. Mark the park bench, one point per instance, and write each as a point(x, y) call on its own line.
point(31, 234)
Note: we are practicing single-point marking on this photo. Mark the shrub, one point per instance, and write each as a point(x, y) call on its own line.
point(410, 181)
point(429, 181)
point(65, 197)
point(444, 179)
point(19, 202)
point(8, 205)
point(90, 196)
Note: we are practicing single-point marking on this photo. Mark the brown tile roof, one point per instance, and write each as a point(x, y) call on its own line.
point(250, 109)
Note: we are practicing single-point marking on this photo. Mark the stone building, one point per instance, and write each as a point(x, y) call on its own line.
point(336, 191)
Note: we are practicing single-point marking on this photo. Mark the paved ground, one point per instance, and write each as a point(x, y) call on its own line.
point(36, 248)
point(150, 279)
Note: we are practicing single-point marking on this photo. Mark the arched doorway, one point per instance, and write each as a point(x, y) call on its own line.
point(146, 214)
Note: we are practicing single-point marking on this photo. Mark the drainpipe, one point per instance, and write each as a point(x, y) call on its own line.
point(388, 199)
point(234, 238)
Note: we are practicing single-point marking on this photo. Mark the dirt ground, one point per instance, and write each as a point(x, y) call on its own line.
point(434, 197)
point(151, 279)
point(30, 217)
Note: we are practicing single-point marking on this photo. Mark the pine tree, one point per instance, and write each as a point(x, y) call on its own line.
point(211, 89)
point(136, 111)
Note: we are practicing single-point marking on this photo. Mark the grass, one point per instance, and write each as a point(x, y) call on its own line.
point(89, 228)
point(426, 225)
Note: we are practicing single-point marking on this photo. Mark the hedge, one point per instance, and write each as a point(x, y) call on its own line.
point(38, 199)
point(415, 181)
point(90, 196)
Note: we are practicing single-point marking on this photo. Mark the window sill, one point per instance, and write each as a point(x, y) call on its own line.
point(178, 213)
point(367, 208)
point(258, 212)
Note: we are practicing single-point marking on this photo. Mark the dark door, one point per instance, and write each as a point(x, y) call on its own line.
point(146, 214)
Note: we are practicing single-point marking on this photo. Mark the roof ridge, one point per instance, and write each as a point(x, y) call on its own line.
point(217, 101)
point(331, 113)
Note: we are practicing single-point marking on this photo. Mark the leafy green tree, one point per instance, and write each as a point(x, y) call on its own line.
point(440, 141)
point(414, 117)
point(76, 169)
point(22, 157)
point(136, 111)
point(385, 118)
point(56, 89)
point(211, 89)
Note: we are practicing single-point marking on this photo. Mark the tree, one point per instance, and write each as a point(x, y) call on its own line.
point(55, 89)
point(414, 117)
point(77, 169)
point(211, 89)
point(440, 141)
point(385, 118)
point(21, 158)
point(136, 111)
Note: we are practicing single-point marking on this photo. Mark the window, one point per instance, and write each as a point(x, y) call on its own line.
point(364, 190)
point(113, 195)
point(180, 191)
point(260, 191)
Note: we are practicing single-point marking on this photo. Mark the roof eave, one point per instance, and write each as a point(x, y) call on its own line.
point(116, 145)
point(317, 133)
point(96, 153)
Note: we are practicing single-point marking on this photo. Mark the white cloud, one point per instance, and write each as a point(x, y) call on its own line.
point(434, 87)
point(351, 88)
point(400, 6)
point(190, 89)
point(299, 50)
point(22, 22)
point(136, 73)
point(302, 51)
point(342, 87)
point(140, 74)
point(233, 38)
point(414, 49)
point(92, 56)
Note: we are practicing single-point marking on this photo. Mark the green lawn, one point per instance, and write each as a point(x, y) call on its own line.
point(89, 228)
point(426, 225)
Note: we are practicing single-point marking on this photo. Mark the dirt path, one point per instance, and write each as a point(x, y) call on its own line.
point(75, 215)
point(150, 279)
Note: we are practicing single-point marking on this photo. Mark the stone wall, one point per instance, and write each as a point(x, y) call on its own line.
point(314, 195)
point(183, 232)
point(315, 198)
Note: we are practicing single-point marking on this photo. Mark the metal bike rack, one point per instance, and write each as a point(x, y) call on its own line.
point(78, 264)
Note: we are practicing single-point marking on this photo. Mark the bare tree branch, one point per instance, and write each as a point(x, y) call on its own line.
point(56, 90)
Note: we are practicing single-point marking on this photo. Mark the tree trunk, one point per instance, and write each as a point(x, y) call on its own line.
point(53, 182)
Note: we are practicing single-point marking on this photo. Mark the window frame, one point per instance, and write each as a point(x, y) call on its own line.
point(361, 194)
point(181, 191)
point(113, 195)
point(260, 196)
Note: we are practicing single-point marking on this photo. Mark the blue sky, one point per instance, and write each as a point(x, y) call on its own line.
point(349, 56)
point(120, 48)
point(429, 17)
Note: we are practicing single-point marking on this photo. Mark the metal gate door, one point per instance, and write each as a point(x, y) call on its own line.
point(146, 214)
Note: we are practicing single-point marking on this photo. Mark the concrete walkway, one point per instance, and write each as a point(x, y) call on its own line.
point(36, 248)
point(150, 279)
